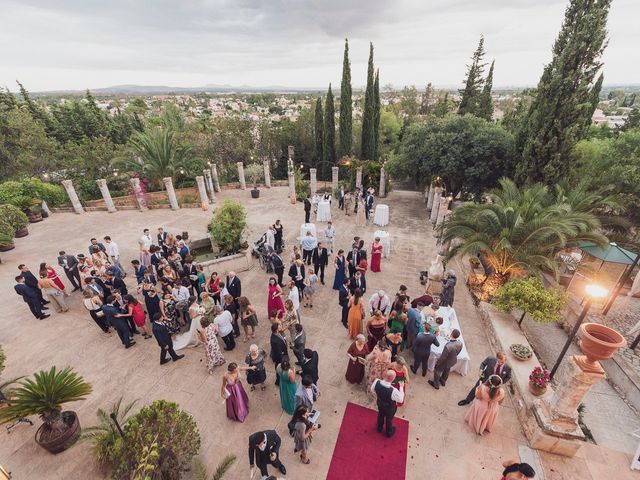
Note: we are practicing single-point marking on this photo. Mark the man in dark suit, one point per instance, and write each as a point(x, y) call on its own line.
point(234, 286)
point(30, 297)
point(114, 283)
point(192, 272)
point(320, 258)
point(307, 209)
point(490, 366)
point(162, 240)
point(264, 449)
point(96, 243)
point(387, 397)
point(343, 300)
point(31, 281)
point(298, 343)
point(341, 198)
point(278, 265)
point(296, 272)
point(310, 364)
point(422, 350)
point(353, 258)
point(447, 360)
point(278, 347)
point(156, 258)
point(70, 265)
point(368, 204)
point(118, 322)
point(357, 281)
point(163, 337)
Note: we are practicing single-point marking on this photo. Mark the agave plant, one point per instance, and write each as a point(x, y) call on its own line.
point(104, 436)
point(45, 395)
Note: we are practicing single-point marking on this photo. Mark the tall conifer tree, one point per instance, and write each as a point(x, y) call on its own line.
point(368, 115)
point(470, 95)
point(376, 115)
point(566, 96)
point(329, 148)
point(319, 131)
point(485, 107)
point(346, 114)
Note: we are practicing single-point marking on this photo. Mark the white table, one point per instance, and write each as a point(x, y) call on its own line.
point(450, 318)
point(381, 216)
point(324, 211)
point(307, 227)
point(385, 240)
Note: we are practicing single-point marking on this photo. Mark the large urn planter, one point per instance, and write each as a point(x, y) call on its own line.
point(255, 193)
point(22, 232)
point(56, 442)
point(599, 342)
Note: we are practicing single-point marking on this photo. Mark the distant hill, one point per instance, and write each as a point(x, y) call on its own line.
point(163, 89)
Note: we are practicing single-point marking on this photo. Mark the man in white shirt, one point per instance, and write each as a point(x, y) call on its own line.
point(113, 251)
point(387, 396)
point(379, 301)
point(308, 243)
point(294, 296)
point(224, 322)
point(329, 235)
point(145, 241)
point(181, 296)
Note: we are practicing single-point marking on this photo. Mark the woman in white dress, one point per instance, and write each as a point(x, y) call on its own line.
point(191, 337)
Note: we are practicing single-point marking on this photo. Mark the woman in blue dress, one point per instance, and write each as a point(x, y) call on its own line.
point(339, 263)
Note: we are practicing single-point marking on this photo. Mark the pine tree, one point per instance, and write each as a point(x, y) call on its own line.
point(470, 95)
point(329, 147)
point(442, 106)
point(565, 99)
point(346, 116)
point(485, 106)
point(319, 131)
point(368, 115)
point(427, 98)
point(376, 116)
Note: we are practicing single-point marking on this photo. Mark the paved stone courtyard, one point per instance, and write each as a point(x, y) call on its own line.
point(440, 444)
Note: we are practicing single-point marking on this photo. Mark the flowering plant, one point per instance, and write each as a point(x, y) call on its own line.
point(540, 377)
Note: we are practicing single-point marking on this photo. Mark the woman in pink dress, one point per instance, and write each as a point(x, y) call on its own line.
point(274, 298)
point(51, 273)
point(235, 397)
point(484, 408)
point(376, 255)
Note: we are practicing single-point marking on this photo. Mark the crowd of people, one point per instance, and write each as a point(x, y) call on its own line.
point(174, 301)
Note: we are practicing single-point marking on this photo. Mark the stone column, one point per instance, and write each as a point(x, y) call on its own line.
point(432, 191)
point(443, 208)
point(267, 173)
point(138, 194)
point(313, 180)
point(334, 178)
point(436, 204)
point(171, 193)
point(382, 191)
point(575, 382)
point(292, 187)
point(209, 183)
point(202, 191)
point(214, 175)
point(358, 177)
point(73, 196)
point(243, 184)
point(104, 189)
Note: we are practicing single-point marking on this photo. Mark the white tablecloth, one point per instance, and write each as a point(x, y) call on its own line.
point(450, 322)
point(385, 240)
point(307, 227)
point(381, 216)
point(324, 212)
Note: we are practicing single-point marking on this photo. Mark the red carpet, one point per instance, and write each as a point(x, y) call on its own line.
point(361, 453)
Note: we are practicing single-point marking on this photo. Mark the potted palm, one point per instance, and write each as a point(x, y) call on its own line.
point(6, 237)
point(45, 395)
point(254, 172)
point(16, 218)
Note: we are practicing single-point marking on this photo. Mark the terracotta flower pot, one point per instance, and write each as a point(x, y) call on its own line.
point(535, 390)
point(599, 342)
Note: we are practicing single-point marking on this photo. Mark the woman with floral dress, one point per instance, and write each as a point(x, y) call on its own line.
point(170, 313)
point(212, 349)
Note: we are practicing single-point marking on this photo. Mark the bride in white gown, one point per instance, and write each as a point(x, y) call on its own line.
point(190, 338)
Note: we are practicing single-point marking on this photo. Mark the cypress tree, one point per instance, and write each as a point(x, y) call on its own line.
point(346, 125)
point(319, 131)
point(485, 106)
point(368, 115)
point(425, 106)
point(565, 99)
point(329, 148)
point(470, 95)
point(376, 115)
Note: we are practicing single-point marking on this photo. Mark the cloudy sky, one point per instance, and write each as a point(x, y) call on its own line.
point(78, 44)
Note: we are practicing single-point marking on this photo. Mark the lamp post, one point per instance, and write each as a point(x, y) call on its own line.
point(594, 292)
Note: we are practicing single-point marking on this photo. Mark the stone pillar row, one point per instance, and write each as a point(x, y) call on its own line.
point(334, 178)
point(202, 192)
point(267, 173)
point(73, 196)
point(359, 177)
point(209, 184)
point(104, 190)
point(313, 180)
point(430, 195)
point(382, 191)
point(139, 195)
point(214, 175)
point(243, 184)
point(437, 194)
point(292, 187)
point(171, 193)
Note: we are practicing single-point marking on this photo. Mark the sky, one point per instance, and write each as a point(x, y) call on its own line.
point(79, 44)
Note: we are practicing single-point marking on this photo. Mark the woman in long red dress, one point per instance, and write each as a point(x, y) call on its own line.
point(356, 353)
point(137, 313)
point(376, 254)
point(274, 298)
point(376, 329)
point(363, 265)
point(52, 274)
point(214, 288)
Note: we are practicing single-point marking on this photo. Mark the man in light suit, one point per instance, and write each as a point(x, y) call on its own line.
point(70, 265)
point(357, 281)
point(368, 204)
point(447, 360)
point(490, 366)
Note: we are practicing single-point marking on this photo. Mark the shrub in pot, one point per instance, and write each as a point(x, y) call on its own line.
point(16, 218)
point(6, 237)
point(254, 173)
point(538, 381)
point(227, 226)
point(45, 395)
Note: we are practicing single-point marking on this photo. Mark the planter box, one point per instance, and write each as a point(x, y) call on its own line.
point(238, 262)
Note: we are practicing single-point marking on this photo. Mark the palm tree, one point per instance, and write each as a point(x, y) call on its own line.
point(155, 154)
point(518, 231)
point(221, 470)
